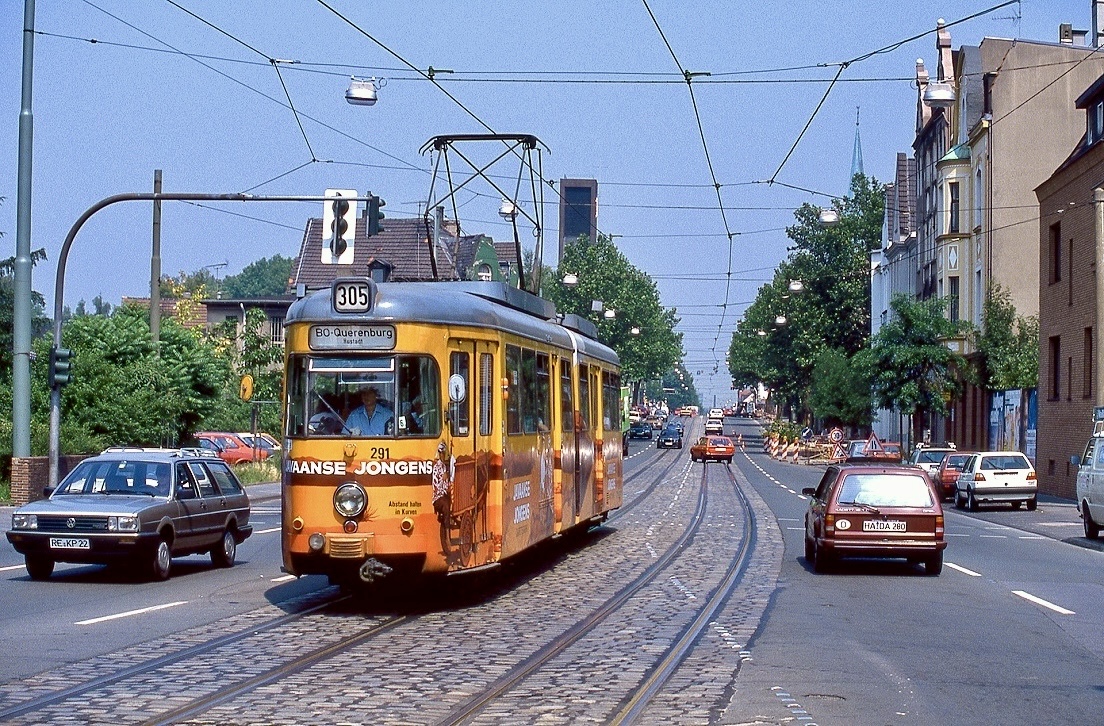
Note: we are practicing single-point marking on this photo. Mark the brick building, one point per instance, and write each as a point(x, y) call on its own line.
point(1069, 359)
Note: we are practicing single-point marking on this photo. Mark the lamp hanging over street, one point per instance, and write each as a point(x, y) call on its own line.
point(363, 91)
point(508, 210)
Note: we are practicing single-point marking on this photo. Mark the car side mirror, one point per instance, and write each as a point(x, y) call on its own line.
point(809, 491)
point(1075, 460)
point(47, 492)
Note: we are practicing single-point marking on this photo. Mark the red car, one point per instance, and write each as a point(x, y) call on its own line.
point(717, 448)
point(945, 477)
point(230, 447)
point(871, 510)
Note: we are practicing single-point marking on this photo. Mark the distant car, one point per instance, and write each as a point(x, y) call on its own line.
point(997, 476)
point(874, 511)
point(716, 413)
point(260, 441)
point(859, 451)
point(717, 448)
point(714, 426)
point(656, 421)
point(670, 438)
point(640, 430)
point(142, 506)
point(679, 425)
point(928, 458)
point(229, 447)
point(946, 476)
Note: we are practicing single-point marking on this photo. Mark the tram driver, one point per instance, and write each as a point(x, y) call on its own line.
point(371, 418)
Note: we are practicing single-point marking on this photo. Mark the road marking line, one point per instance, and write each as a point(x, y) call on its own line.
point(267, 531)
point(1032, 536)
point(284, 578)
point(12, 567)
point(1058, 524)
point(993, 536)
point(1039, 601)
point(127, 614)
point(956, 534)
point(963, 570)
point(796, 529)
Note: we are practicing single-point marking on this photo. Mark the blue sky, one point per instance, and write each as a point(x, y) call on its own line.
point(213, 116)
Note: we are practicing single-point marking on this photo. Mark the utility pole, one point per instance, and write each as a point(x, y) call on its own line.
point(155, 264)
point(21, 309)
point(1098, 373)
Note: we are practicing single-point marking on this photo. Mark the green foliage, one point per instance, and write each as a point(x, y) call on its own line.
point(605, 274)
point(195, 285)
point(786, 430)
point(258, 472)
point(833, 309)
point(840, 392)
point(40, 324)
point(676, 387)
point(1008, 343)
point(263, 278)
point(913, 369)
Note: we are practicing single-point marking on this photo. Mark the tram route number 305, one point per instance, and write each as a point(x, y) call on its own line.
point(352, 295)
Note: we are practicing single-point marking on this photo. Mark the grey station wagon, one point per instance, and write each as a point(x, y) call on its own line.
point(136, 506)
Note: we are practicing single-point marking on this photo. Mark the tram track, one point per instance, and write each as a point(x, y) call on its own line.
point(315, 656)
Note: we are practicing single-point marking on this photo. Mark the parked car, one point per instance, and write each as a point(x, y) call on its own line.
point(136, 506)
point(1090, 486)
point(670, 438)
point(928, 458)
point(997, 476)
point(866, 510)
point(229, 447)
point(260, 441)
point(640, 430)
point(714, 426)
point(717, 448)
point(946, 476)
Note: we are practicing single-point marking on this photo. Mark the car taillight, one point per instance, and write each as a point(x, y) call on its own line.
point(939, 527)
point(979, 477)
point(1031, 476)
point(829, 524)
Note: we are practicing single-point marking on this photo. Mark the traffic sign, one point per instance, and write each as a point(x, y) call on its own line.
point(873, 446)
point(836, 435)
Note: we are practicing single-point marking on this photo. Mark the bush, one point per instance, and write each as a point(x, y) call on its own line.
point(258, 472)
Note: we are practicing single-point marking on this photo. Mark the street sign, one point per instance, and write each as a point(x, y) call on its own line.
point(840, 452)
point(836, 435)
point(873, 446)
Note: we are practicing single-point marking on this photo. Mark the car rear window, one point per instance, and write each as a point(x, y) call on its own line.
point(929, 456)
point(1005, 461)
point(957, 461)
point(885, 490)
point(720, 442)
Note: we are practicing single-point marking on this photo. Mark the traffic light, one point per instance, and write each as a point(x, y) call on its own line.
point(338, 227)
point(375, 216)
point(61, 366)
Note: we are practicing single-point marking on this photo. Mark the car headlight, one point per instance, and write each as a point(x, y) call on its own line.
point(350, 500)
point(24, 521)
point(122, 524)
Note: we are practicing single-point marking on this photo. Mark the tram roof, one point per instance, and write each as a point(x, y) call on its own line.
point(493, 305)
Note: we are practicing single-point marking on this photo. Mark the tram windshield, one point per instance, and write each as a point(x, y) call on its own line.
point(363, 396)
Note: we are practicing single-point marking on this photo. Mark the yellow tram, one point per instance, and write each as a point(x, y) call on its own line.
point(441, 426)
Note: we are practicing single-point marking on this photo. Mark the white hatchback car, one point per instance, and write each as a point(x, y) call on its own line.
point(997, 476)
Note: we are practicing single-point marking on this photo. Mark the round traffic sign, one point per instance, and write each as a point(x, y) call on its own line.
point(836, 435)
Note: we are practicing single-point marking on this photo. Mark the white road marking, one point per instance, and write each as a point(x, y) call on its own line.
point(284, 578)
point(796, 529)
point(1058, 524)
point(1039, 601)
point(963, 570)
point(127, 614)
point(11, 567)
point(267, 531)
point(993, 536)
point(956, 534)
point(1032, 536)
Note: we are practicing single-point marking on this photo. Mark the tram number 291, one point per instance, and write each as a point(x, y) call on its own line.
point(352, 295)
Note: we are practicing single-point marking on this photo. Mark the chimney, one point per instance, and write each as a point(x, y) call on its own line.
point(1097, 23)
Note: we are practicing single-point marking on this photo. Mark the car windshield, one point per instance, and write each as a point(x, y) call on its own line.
point(1004, 461)
point(117, 476)
point(930, 456)
point(886, 490)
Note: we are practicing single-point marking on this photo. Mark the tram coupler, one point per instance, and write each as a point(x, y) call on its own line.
point(373, 570)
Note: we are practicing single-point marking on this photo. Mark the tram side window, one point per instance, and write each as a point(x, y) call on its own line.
point(460, 411)
point(584, 396)
point(611, 399)
point(486, 394)
point(419, 397)
point(513, 389)
point(567, 411)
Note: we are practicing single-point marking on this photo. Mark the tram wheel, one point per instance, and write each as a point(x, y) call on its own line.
point(467, 537)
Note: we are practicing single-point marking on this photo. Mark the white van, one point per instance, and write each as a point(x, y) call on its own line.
point(1090, 482)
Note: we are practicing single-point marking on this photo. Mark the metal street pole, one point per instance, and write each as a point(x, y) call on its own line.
point(21, 309)
point(63, 256)
point(1098, 213)
point(155, 265)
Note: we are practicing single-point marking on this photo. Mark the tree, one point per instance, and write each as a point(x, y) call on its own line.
point(265, 277)
point(40, 324)
point(913, 369)
point(605, 274)
point(840, 392)
point(1008, 343)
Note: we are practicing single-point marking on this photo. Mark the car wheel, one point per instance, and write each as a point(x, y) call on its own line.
point(1016, 505)
point(226, 552)
point(934, 565)
point(821, 562)
point(958, 503)
point(728, 460)
point(810, 550)
point(1032, 504)
point(39, 567)
point(1092, 529)
point(971, 502)
point(161, 563)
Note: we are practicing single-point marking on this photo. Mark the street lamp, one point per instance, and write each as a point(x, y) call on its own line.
point(362, 91)
point(609, 314)
point(635, 330)
point(829, 217)
point(796, 286)
point(570, 279)
point(508, 211)
point(780, 320)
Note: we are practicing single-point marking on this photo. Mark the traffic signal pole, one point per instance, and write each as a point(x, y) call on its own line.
point(63, 256)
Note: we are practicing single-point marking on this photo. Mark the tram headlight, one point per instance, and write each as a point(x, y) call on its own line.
point(350, 500)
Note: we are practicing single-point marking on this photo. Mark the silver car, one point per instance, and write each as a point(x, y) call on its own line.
point(136, 506)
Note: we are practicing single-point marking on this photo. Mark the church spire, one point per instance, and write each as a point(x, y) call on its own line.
point(856, 155)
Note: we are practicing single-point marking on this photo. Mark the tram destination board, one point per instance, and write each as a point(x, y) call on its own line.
point(352, 336)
